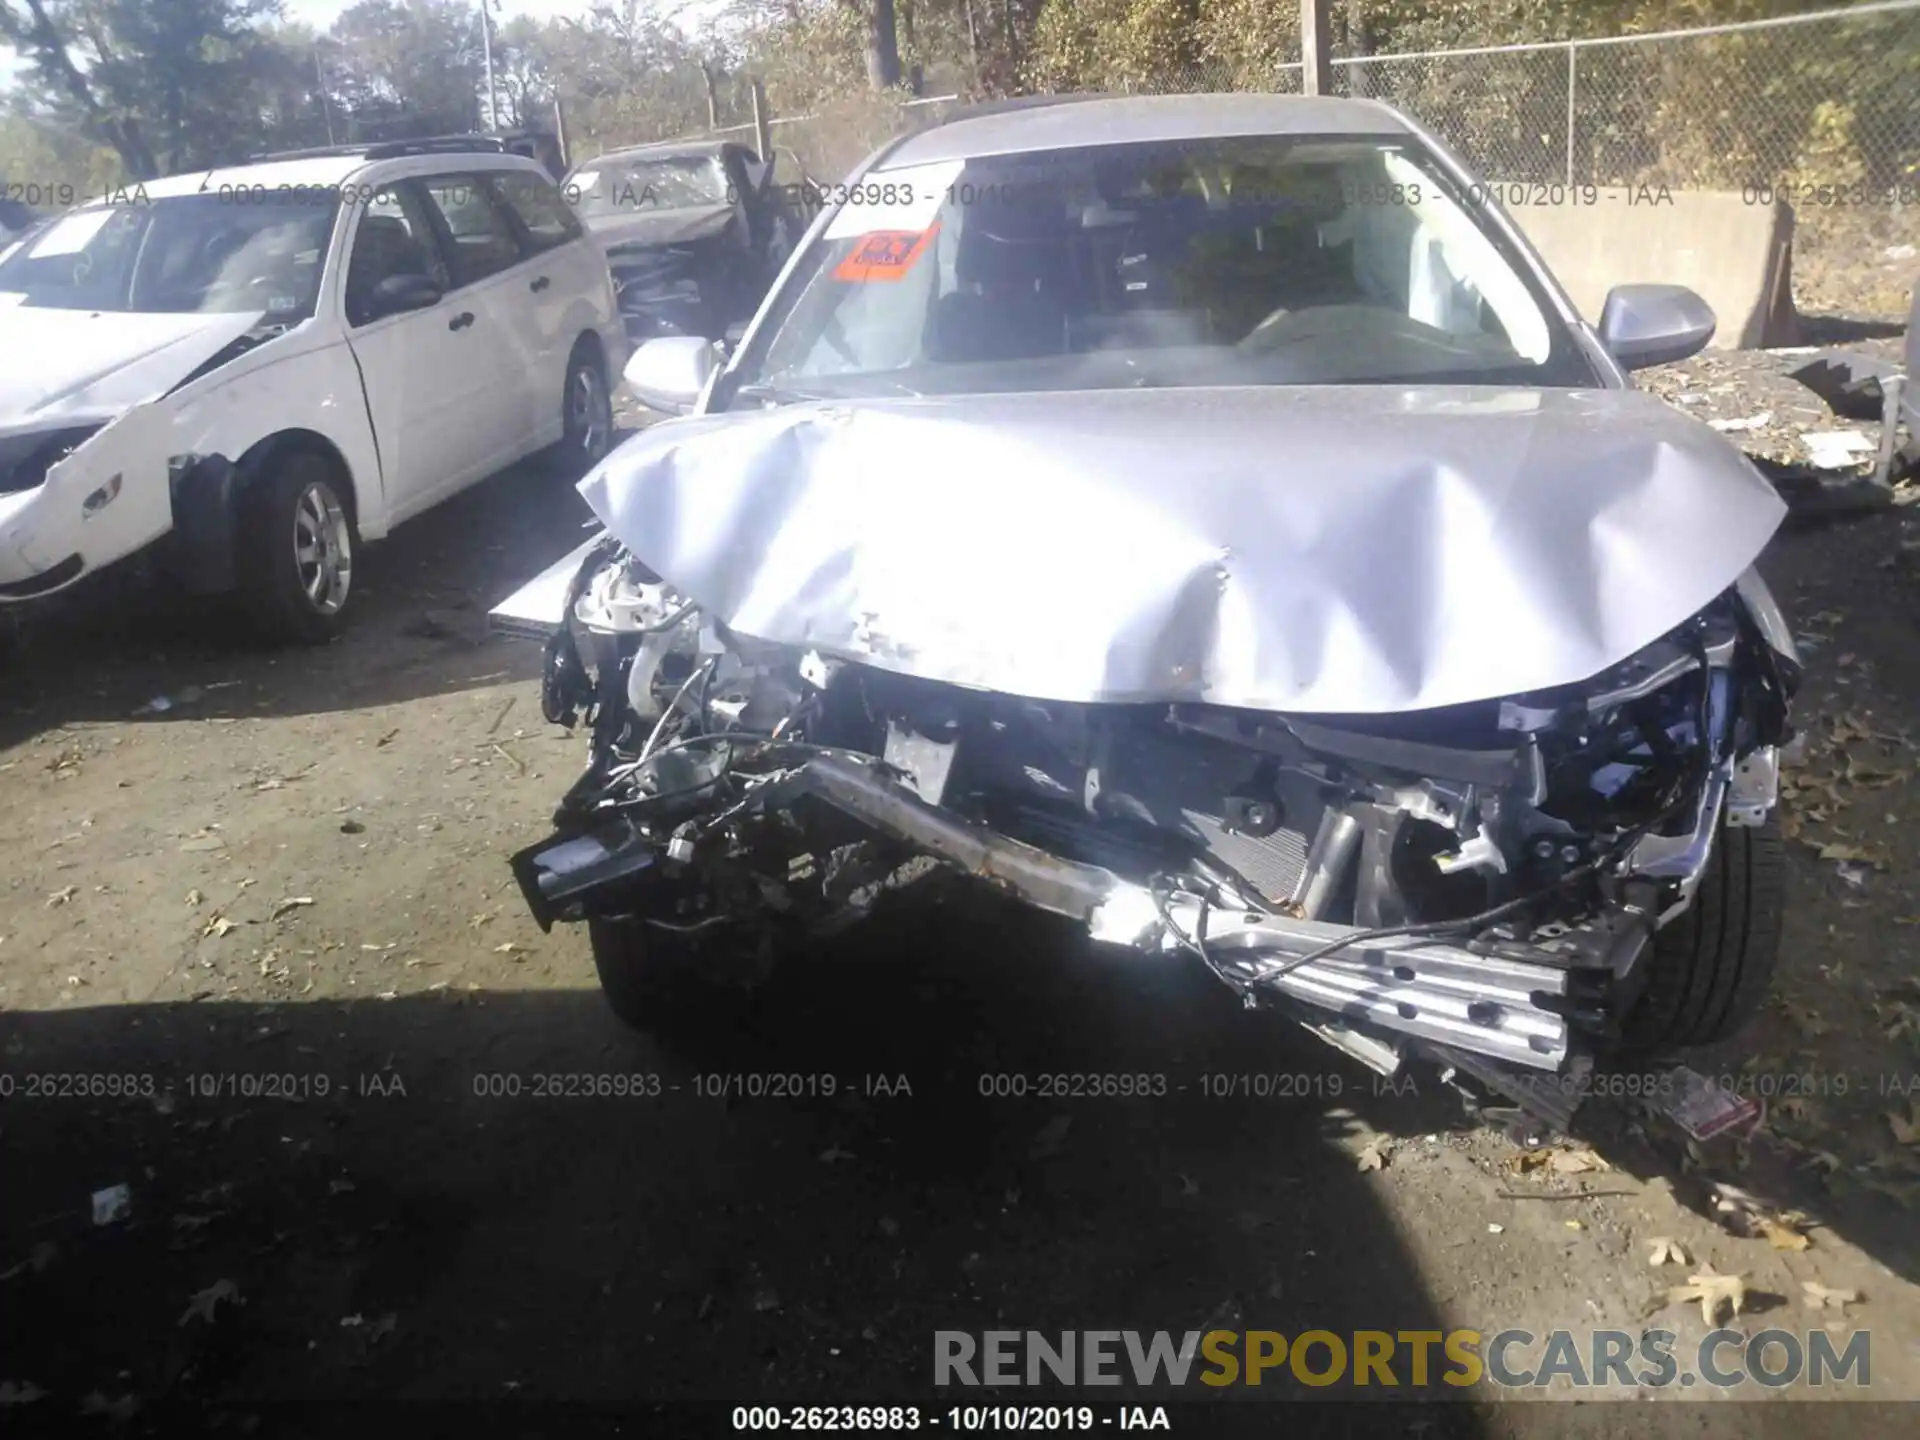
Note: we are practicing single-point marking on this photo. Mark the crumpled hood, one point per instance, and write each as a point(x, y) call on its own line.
point(658, 227)
point(1352, 549)
point(57, 365)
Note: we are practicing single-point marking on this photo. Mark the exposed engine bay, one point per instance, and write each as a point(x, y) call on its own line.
point(1482, 884)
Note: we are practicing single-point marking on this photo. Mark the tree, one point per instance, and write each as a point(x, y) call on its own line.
point(408, 67)
point(883, 44)
point(167, 84)
point(49, 167)
point(520, 74)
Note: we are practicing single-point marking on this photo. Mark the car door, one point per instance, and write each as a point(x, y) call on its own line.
point(563, 269)
point(491, 294)
point(419, 370)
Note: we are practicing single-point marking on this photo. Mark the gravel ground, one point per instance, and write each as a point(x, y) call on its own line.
point(277, 909)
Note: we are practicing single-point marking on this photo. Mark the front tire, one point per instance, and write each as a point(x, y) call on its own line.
point(642, 970)
point(586, 413)
point(296, 550)
point(1710, 969)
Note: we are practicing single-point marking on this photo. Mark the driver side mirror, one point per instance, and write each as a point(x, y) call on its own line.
point(670, 373)
point(1644, 325)
point(399, 293)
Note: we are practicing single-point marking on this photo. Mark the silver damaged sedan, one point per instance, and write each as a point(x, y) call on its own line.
point(1205, 518)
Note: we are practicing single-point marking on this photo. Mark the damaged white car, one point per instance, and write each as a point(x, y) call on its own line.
point(261, 366)
point(1202, 518)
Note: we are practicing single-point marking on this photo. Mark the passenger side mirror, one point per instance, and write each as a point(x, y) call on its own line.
point(398, 293)
point(1644, 325)
point(669, 373)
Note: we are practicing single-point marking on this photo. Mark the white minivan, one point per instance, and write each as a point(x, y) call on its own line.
point(264, 365)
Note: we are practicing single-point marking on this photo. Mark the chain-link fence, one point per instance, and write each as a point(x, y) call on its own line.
point(1820, 109)
point(1830, 98)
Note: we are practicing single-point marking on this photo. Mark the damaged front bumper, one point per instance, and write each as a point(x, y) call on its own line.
point(1483, 888)
point(1504, 999)
point(78, 498)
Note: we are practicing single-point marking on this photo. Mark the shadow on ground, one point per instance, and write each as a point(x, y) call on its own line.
point(1846, 329)
point(417, 1234)
point(117, 642)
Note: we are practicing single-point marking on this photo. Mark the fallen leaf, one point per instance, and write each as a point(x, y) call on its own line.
point(1049, 1137)
point(509, 948)
point(292, 902)
point(1905, 1019)
point(833, 1153)
point(1493, 1229)
point(61, 896)
point(218, 925)
point(1782, 1235)
point(204, 1302)
point(1574, 1225)
point(1712, 1290)
point(1374, 1156)
point(195, 899)
point(1662, 1251)
point(1806, 1019)
point(1906, 1128)
point(1576, 1162)
point(1826, 1297)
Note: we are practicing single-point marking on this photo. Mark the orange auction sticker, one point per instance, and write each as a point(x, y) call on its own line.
point(885, 254)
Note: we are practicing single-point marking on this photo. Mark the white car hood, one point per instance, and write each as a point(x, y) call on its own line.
point(1352, 549)
point(86, 365)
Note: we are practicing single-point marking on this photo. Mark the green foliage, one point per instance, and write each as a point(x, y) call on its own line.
point(414, 66)
point(170, 84)
point(167, 84)
point(49, 164)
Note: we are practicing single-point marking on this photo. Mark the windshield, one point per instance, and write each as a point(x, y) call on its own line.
point(1255, 260)
point(674, 182)
point(182, 254)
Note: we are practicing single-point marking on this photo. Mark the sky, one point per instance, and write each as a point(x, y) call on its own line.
point(322, 13)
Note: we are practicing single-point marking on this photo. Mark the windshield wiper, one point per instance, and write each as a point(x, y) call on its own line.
point(777, 394)
point(860, 388)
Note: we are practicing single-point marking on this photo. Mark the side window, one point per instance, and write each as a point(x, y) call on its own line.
point(394, 237)
point(483, 241)
point(537, 202)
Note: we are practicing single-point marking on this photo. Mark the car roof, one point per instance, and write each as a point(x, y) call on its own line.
point(318, 171)
point(662, 150)
point(1071, 122)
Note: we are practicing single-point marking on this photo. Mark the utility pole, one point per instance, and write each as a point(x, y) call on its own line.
point(1316, 55)
point(486, 54)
